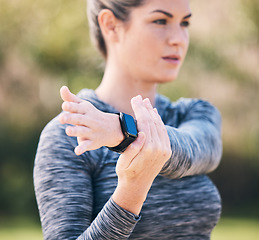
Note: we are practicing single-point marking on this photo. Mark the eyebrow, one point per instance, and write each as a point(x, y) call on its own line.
point(169, 14)
point(161, 11)
point(187, 16)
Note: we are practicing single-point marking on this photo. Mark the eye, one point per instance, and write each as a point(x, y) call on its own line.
point(160, 21)
point(185, 24)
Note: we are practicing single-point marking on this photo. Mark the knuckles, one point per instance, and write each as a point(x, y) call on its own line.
point(143, 122)
point(157, 150)
point(85, 106)
point(81, 107)
point(76, 119)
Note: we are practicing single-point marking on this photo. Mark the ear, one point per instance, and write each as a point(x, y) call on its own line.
point(108, 24)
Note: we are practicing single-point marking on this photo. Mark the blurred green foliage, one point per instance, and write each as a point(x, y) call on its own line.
point(44, 45)
point(228, 228)
point(252, 9)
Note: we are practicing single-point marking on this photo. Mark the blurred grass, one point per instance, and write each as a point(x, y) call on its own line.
point(236, 228)
point(20, 228)
point(21, 234)
point(227, 229)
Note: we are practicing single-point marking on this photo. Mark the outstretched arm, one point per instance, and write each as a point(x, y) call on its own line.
point(196, 142)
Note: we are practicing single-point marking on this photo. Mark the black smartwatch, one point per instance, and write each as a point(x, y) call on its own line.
point(129, 130)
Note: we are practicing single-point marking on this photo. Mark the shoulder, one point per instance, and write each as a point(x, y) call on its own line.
point(185, 109)
point(196, 108)
point(56, 147)
point(54, 133)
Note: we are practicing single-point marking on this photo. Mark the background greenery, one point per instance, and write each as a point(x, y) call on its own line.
point(45, 44)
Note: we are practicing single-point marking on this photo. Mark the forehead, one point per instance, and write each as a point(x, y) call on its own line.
point(175, 7)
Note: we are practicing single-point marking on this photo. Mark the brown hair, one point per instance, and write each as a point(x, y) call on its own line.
point(121, 10)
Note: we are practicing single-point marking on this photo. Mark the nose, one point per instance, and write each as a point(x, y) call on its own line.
point(178, 36)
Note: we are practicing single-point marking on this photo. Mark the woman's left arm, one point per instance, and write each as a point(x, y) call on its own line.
point(196, 142)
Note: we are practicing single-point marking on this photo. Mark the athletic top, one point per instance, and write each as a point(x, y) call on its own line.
point(74, 192)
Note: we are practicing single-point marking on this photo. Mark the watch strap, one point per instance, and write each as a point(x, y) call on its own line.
point(129, 138)
point(123, 145)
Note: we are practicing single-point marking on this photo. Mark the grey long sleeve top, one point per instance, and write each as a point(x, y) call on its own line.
point(74, 192)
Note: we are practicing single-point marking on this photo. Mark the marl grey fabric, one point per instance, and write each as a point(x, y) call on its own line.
point(74, 192)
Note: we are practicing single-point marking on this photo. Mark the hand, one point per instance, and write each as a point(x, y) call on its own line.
point(138, 166)
point(92, 127)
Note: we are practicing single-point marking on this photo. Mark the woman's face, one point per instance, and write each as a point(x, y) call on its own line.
point(155, 40)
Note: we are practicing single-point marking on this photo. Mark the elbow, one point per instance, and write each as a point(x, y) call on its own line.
point(216, 155)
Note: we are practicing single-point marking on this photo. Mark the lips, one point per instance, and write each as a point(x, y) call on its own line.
point(172, 59)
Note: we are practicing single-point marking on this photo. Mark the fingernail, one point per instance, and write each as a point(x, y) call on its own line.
point(78, 150)
point(147, 100)
point(64, 117)
point(138, 97)
point(148, 103)
point(63, 105)
point(66, 105)
point(69, 130)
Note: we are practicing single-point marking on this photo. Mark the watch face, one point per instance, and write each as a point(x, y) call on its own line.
point(130, 125)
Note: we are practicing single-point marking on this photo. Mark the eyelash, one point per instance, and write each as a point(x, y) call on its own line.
point(160, 21)
point(164, 22)
point(185, 24)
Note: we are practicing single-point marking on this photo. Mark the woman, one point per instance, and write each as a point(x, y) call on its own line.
point(156, 187)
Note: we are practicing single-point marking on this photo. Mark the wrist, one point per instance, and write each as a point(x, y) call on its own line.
point(115, 133)
point(129, 198)
point(129, 131)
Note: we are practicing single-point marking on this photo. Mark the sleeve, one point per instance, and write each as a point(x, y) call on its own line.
point(64, 193)
point(196, 141)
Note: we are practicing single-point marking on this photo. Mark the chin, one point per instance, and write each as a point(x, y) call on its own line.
point(163, 77)
point(169, 76)
point(168, 79)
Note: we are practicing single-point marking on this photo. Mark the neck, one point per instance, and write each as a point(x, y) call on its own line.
point(118, 88)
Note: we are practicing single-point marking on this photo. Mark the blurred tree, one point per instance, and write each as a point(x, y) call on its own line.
point(252, 8)
point(44, 45)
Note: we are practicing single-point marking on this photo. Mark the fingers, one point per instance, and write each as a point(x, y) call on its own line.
point(67, 96)
point(148, 120)
point(82, 147)
point(151, 123)
point(75, 119)
point(160, 129)
point(131, 152)
point(82, 107)
point(142, 115)
point(155, 124)
point(72, 103)
point(78, 131)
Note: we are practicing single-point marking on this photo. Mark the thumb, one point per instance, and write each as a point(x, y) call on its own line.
point(67, 96)
point(131, 152)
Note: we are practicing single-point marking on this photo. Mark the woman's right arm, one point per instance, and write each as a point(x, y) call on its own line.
point(63, 181)
point(64, 193)
point(137, 168)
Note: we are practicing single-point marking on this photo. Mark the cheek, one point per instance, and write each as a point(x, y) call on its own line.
point(187, 40)
point(144, 47)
